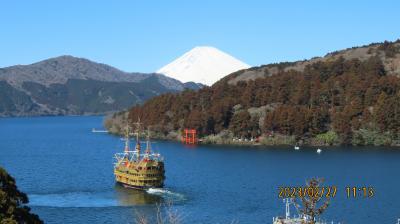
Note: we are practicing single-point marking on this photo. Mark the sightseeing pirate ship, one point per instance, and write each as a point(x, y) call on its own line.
point(135, 170)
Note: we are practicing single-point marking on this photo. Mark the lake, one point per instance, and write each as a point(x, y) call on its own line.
point(67, 172)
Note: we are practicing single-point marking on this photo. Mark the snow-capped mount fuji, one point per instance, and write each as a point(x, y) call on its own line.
point(203, 64)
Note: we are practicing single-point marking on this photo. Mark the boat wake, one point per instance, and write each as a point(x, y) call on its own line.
point(73, 199)
point(103, 199)
point(165, 193)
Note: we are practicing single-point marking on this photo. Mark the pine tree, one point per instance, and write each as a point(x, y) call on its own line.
point(12, 203)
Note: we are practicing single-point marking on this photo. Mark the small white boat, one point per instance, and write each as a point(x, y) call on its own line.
point(99, 131)
point(296, 147)
point(319, 151)
point(296, 219)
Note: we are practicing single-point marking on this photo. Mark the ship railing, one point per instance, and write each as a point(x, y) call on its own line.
point(132, 157)
point(152, 156)
point(127, 152)
point(135, 153)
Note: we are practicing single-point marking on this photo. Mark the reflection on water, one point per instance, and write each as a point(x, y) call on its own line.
point(119, 197)
point(128, 196)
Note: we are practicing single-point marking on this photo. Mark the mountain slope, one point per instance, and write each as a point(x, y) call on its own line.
point(60, 69)
point(385, 51)
point(202, 65)
point(347, 97)
point(70, 85)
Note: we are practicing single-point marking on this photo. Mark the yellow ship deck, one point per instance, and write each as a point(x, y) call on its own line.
point(140, 174)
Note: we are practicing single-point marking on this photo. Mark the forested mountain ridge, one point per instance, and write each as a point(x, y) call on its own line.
point(68, 85)
point(347, 97)
point(385, 51)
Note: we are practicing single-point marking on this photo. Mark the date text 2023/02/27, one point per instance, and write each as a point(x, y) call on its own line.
point(327, 192)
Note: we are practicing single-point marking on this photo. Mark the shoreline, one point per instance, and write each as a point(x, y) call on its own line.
point(362, 137)
point(259, 144)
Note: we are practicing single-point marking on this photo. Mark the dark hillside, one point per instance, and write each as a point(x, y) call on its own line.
point(330, 101)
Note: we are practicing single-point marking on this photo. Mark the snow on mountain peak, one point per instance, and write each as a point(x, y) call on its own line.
point(202, 64)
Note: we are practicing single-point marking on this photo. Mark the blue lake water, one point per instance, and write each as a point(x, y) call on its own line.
point(67, 172)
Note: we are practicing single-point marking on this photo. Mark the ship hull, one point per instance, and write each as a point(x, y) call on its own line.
point(138, 187)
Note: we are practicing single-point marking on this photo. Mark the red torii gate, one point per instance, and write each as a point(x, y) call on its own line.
point(189, 136)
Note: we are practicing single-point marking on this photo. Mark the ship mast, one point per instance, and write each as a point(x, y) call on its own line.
point(127, 139)
point(287, 209)
point(137, 139)
point(148, 149)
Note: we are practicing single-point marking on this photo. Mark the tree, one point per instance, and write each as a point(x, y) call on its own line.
point(221, 111)
point(342, 126)
point(12, 202)
point(240, 124)
point(288, 120)
point(195, 120)
point(389, 48)
point(318, 119)
point(387, 114)
point(312, 204)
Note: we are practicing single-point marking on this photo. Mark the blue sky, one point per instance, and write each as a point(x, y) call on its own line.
point(143, 36)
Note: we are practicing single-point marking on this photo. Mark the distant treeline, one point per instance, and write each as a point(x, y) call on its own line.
point(355, 100)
